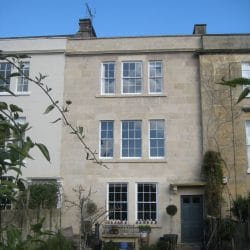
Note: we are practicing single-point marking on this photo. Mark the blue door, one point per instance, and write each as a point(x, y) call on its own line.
point(191, 218)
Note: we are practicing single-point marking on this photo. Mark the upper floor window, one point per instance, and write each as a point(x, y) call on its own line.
point(245, 67)
point(245, 70)
point(118, 201)
point(157, 138)
point(248, 143)
point(155, 77)
point(23, 83)
point(107, 139)
point(132, 77)
point(146, 201)
point(19, 84)
point(131, 138)
point(108, 78)
point(5, 71)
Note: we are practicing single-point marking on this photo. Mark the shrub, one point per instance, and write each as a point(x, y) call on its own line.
point(240, 208)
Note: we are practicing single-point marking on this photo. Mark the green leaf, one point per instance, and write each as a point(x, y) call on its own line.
point(16, 169)
point(17, 152)
point(26, 148)
point(15, 108)
point(58, 119)
point(44, 150)
point(42, 76)
point(49, 108)
point(3, 106)
point(80, 130)
point(68, 102)
point(15, 74)
point(237, 81)
point(243, 94)
point(23, 56)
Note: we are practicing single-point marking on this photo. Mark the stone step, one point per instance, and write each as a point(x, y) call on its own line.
point(189, 246)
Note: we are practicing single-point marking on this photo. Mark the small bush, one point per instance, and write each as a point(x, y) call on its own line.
point(240, 208)
point(57, 242)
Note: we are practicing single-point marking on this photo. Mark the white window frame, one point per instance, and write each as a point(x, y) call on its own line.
point(141, 77)
point(155, 77)
point(247, 131)
point(100, 139)
point(245, 71)
point(149, 138)
point(103, 78)
point(157, 201)
point(127, 202)
point(121, 144)
point(2, 92)
point(22, 80)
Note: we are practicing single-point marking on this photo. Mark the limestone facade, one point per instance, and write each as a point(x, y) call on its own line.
point(178, 106)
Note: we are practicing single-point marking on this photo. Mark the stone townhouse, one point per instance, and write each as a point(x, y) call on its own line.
point(138, 99)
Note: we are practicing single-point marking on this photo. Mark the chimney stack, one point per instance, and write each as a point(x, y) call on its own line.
point(200, 29)
point(86, 29)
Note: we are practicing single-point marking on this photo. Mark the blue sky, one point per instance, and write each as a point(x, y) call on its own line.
point(123, 18)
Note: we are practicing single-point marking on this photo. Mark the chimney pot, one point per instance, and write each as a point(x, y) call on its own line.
point(86, 28)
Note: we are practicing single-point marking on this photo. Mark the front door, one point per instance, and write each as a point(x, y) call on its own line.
point(191, 218)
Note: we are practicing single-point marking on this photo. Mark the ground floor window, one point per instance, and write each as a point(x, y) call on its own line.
point(118, 201)
point(147, 202)
point(5, 192)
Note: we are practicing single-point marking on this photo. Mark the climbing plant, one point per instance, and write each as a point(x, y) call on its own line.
point(212, 169)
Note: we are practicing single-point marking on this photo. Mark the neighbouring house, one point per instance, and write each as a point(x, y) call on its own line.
point(226, 124)
point(47, 56)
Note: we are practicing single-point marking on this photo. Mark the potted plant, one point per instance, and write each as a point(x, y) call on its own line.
point(144, 234)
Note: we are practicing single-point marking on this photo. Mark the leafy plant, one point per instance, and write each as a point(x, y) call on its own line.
point(14, 149)
point(57, 242)
point(43, 195)
point(241, 82)
point(33, 241)
point(213, 173)
point(227, 229)
point(110, 246)
point(144, 228)
point(240, 208)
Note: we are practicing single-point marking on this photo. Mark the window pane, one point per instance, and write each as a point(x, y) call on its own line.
point(118, 208)
point(131, 139)
point(155, 77)
point(132, 77)
point(108, 78)
point(248, 141)
point(157, 138)
point(107, 139)
point(23, 83)
point(146, 201)
point(5, 71)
